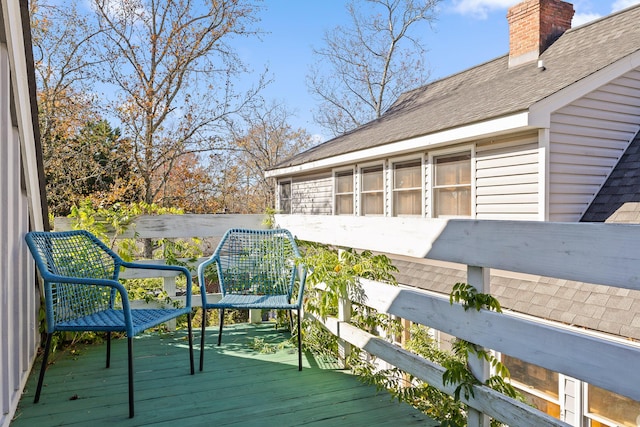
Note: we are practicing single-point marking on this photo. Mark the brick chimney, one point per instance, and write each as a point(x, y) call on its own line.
point(534, 25)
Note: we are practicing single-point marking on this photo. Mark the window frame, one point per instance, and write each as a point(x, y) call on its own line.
point(382, 191)
point(422, 187)
point(528, 388)
point(589, 416)
point(281, 182)
point(453, 152)
point(344, 172)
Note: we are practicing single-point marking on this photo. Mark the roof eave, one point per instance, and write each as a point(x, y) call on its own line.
point(540, 112)
point(516, 122)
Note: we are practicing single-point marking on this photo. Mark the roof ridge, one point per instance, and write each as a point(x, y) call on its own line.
point(603, 18)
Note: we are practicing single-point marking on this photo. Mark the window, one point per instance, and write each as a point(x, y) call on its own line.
point(407, 188)
point(372, 194)
point(452, 185)
point(540, 386)
point(605, 408)
point(284, 197)
point(344, 193)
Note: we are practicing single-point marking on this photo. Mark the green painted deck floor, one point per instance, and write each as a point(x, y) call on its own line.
point(239, 386)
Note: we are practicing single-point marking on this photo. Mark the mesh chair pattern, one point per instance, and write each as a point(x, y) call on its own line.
point(80, 275)
point(257, 269)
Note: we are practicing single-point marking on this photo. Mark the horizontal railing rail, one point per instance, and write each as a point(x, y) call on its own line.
point(604, 254)
point(186, 226)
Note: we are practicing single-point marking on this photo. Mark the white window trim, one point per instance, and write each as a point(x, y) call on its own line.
point(335, 172)
point(385, 190)
point(423, 184)
point(452, 152)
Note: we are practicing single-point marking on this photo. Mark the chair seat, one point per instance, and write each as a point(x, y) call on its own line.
point(256, 269)
point(276, 302)
point(113, 320)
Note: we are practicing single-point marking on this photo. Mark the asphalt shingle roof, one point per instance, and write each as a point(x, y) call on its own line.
point(602, 308)
point(492, 89)
point(619, 197)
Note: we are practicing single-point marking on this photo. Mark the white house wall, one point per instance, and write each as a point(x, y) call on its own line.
point(312, 195)
point(587, 138)
point(18, 305)
point(507, 178)
point(21, 210)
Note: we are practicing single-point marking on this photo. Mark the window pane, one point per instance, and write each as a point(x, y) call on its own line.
point(541, 404)
point(539, 378)
point(619, 409)
point(344, 182)
point(285, 197)
point(452, 201)
point(344, 193)
point(372, 179)
point(452, 185)
point(407, 175)
point(285, 206)
point(344, 204)
point(453, 170)
point(372, 204)
point(407, 202)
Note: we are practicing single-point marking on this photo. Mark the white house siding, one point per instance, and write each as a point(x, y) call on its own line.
point(507, 178)
point(312, 195)
point(428, 183)
point(18, 305)
point(571, 405)
point(587, 138)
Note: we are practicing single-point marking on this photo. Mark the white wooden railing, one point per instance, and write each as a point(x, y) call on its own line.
point(210, 227)
point(605, 254)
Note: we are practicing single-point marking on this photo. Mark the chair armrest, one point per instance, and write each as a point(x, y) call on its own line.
point(201, 267)
point(87, 281)
point(302, 271)
point(178, 268)
point(56, 278)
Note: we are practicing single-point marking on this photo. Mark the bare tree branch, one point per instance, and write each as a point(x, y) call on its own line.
point(362, 69)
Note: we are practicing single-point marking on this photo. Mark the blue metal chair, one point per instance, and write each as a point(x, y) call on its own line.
point(257, 269)
point(80, 276)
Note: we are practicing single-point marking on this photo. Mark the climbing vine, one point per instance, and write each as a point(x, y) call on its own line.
point(457, 369)
point(335, 275)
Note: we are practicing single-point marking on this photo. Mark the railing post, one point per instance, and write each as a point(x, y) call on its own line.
point(478, 277)
point(344, 315)
point(169, 286)
point(255, 316)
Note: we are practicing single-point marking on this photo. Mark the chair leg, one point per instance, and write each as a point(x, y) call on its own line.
point(290, 321)
point(202, 335)
point(299, 343)
point(190, 342)
point(130, 346)
point(45, 358)
point(108, 349)
point(221, 324)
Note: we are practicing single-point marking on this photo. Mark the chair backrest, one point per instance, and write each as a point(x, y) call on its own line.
point(73, 254)
point(257, 262)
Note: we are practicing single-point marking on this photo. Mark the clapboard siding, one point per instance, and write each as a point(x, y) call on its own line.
point(507, 182)
point(587, 138)
point(6, 174)
point(18, 301)
point(312, 195)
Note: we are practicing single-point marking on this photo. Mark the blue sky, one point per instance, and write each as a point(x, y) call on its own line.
point(467, 33)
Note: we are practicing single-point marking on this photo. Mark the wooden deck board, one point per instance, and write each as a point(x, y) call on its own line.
point(239, 386)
